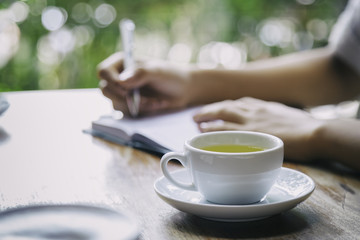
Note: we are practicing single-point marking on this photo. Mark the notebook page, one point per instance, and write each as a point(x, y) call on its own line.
point(169, 130)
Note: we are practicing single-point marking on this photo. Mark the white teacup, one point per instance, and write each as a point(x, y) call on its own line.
point(225, 177)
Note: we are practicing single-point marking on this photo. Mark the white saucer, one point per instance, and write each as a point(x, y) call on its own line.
point(291, 188)
point(67, 222)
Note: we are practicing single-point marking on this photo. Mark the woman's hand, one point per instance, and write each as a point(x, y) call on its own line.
point(295, 127)
point(162, 86)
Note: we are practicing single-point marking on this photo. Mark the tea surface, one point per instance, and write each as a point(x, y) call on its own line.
point(232, 148)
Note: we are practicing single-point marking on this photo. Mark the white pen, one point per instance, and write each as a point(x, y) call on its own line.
point(127, 28)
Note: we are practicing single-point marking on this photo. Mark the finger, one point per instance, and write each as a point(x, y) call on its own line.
point(148, 105)
point(107, 92)
point(250, 100)
point(145, 73)
point(136, 79)
point(121, 106)
point(103, 83)
point(119, 103)
point(219, 125)
point(113, 87)
point(226, 111)
point(110, 68)
point(114, 61)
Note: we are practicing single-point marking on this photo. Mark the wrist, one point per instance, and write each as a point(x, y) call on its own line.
point(195, 86)
point(322, 141)
point(211, 85)
point(315, 140)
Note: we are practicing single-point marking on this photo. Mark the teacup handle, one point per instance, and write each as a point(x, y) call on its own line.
point(183, 160)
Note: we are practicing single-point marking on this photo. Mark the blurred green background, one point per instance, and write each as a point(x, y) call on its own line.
point(57, 44)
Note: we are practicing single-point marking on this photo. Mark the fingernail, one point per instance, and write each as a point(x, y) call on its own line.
point(196, 118)
point(102, 83)
point(211, 124)
point(204, 125)
point(126, 74)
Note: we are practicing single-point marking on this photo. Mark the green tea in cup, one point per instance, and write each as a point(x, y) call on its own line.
point(232, 148)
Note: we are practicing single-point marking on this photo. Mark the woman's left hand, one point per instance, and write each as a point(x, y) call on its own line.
point(294, 126)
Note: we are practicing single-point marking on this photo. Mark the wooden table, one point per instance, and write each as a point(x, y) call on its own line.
point(45, 158)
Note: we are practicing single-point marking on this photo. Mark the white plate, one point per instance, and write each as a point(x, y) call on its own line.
point(66, 222)
point(291, 188)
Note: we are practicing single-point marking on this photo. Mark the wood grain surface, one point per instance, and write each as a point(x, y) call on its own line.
point(45, 158)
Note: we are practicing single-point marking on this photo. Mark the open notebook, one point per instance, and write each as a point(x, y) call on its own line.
point(156, 134)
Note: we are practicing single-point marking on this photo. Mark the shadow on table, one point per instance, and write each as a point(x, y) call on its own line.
point(287, 223)
point(4, 136)
point(326, 166)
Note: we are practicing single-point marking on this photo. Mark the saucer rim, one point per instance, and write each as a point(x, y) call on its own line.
point(287, 204)
point(9, 216)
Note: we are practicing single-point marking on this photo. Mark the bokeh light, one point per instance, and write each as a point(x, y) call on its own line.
point(256, 49)
point(46, 53)
point(83, 35)
point(37, 7)
point(57, 44)
point(154, 44)
point(276, 32)
point(306, 2)
point(53, 18)
point(9, 31)
point(82, 12)
point(303, 41)
point(221, 54)
point(19, 11)
point(180, 53)
point(104, 15)
point(318, 29)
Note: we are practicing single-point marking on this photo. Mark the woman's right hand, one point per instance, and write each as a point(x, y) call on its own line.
point(162, 86)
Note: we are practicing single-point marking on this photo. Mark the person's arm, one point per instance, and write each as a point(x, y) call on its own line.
point(305, 137)
point(307, 78)
point(338, 140)
point(301, 79)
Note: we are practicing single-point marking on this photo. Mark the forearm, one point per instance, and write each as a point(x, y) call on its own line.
point(338, 140)
point(302, 79)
